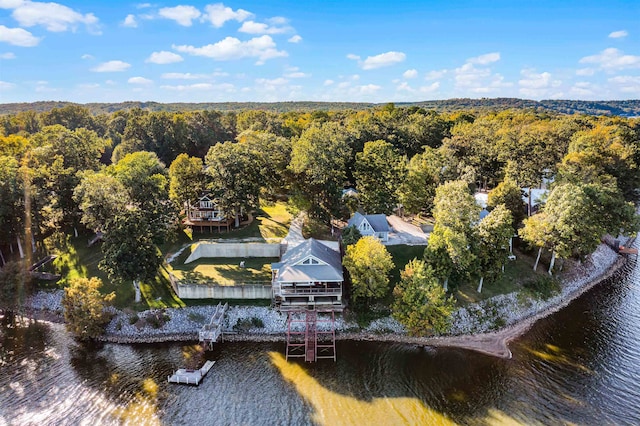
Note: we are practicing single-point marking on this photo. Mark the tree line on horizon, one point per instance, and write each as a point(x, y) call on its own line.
point(625, 108)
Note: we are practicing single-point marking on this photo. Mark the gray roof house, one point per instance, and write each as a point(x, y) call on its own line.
point(371, 225)
point(309, 274)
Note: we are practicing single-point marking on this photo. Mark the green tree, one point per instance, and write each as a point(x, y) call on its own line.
point(418, 189)
point(378, 172)
point(11, 200)
point(187, 179)
point(100, 197)
point(420, 303)
point(508, 193)
point(493, 234)
point(318, 161)
point(15, 286)
point(84, 308)
point(369, 264)
point(450, 244)
point(234, 171)
point(130, 253)
point(146, 180)
point(350, 235)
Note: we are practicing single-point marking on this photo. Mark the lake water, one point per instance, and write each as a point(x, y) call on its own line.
point(581, 365)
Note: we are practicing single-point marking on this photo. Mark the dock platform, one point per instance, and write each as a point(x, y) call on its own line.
point(190, 377)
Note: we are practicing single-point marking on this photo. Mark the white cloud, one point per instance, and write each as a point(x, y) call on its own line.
point(252, 27)
point(297, 74)
point(626, 83)
point(612, 59)
point(53, 16)
point(295, 39)
point(536, 85)
point(328, 82)
point(5, 85)
point(478, 79)
point(143, 5)
point(10, 4)
point(367, 89)
point(434, 75)
point(583, 88)
point(430, 88)
point(130, 21)
point(183, 76)
point(164, 57)
point(618, 34)
point(280, 81)
point(224, 87)
point(413, 73)
point(585, 71)
point(183, 15)
point(139, 80)
point(18, 37)
point(87, 86)
point(7, 55)
point(353, 57)
point(485, 59)
point(86, 56)
point(382, 60)
point(111, 66)
point(405, 87)
point(231, 48)
point(218, 14)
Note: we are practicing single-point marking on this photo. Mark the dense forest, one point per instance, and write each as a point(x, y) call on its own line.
point(629, 108)
point(128, 173)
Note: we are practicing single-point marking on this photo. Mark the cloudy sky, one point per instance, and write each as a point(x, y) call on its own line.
point(374, 51)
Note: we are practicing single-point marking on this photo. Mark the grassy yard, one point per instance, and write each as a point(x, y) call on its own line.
point(224, 271)
point(401, 255)
point(516, 273)
point(270, 224)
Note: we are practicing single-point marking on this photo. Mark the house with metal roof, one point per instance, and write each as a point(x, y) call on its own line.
point(375, 225)
point(308, 275)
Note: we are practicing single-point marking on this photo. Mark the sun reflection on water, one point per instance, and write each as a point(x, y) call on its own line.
point(331, 408)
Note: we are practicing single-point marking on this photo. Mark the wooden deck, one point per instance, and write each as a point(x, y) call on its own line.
point(190, 377)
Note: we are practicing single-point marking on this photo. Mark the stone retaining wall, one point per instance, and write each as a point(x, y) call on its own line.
point(214, 291)
point(211, 249)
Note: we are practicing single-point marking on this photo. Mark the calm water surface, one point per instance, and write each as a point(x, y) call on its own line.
point(579, 366)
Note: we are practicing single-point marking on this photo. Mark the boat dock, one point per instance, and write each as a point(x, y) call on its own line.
point(190, 377)
point(209, 333)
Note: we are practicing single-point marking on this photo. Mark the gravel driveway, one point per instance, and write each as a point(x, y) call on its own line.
point(405, 233)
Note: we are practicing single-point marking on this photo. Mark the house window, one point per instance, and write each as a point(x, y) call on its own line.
point(310, 262)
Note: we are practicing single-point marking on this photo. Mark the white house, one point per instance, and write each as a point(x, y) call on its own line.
point(371, 225)
point(205, 209)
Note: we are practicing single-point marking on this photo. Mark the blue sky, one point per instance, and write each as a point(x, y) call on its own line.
point(373, 51)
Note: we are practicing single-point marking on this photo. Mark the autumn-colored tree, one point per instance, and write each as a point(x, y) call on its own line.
point(420, 302)
point(84, 308)
point(368, 263)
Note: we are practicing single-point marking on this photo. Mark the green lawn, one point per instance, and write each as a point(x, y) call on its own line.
point(224, 271)
point(401, 255)
point(516, 274)
point(75, 260)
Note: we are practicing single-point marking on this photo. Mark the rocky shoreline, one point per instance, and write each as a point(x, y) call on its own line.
point(472, 325)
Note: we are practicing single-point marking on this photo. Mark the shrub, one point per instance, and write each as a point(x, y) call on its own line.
point(543, 287)
point(195, 317)
point(245, 324)
point(133, 319)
